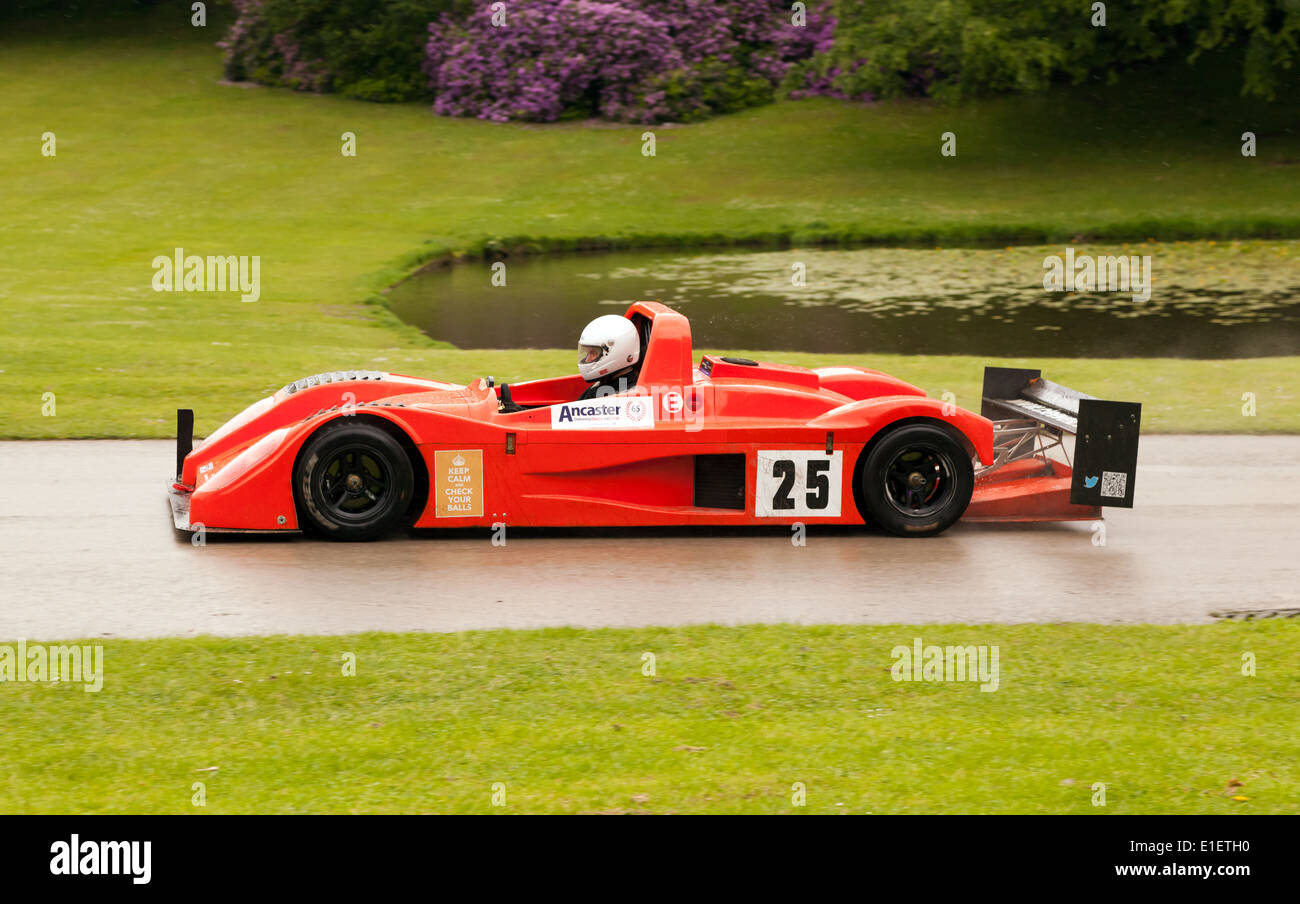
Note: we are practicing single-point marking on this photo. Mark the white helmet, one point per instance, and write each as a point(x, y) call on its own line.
point(607, 346)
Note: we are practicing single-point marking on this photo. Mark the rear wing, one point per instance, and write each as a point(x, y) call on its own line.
point(1023, 406)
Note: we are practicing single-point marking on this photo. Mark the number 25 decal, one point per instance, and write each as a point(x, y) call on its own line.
point(798, 482)
point(819, 492)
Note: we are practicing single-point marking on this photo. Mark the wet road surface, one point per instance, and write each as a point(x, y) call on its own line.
point(87, 550)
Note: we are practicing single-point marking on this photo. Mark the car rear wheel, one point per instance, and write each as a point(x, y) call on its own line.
point(917, 480)
point(353, 481)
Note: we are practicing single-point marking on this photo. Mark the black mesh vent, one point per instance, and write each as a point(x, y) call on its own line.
point(720, 481)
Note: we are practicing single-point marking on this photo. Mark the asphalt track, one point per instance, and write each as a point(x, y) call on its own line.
point(88, 550)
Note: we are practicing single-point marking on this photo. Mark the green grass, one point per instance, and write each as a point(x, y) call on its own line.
point(732, 719)
point(154, 153)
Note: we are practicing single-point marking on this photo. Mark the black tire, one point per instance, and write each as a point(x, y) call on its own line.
point(916, 481)
point(353, 481)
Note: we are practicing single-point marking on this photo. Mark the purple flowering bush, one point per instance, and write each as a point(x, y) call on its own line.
point(636, 60)
point(630, 60)
point(551, 55)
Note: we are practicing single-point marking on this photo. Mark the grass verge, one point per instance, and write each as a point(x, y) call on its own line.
point(732, 719)
point(1178, 396)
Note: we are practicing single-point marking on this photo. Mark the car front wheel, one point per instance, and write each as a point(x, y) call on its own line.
point(353, 481)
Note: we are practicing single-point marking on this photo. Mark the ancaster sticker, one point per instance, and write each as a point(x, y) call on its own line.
point(610, 413)
point(458, 483)
point(798, 483)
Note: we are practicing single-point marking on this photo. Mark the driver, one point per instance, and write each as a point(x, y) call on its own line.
point(609, 352)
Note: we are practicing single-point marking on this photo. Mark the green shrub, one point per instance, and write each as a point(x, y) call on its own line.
point(365, 49)
point(710, 88)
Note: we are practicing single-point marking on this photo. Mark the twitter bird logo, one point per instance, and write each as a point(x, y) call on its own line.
point(1090, 482)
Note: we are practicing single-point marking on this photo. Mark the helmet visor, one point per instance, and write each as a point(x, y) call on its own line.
point(590, 354)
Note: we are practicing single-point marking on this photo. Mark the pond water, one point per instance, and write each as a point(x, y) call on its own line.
point(1207, 300)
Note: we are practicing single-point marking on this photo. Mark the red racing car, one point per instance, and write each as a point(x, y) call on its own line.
point(728, 441)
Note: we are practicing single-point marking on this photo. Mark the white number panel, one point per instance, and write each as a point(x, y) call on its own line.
point(798, 483)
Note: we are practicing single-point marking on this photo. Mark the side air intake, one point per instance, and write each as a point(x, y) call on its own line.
point(720, 481)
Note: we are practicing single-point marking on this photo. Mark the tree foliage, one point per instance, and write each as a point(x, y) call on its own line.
point(955, 49)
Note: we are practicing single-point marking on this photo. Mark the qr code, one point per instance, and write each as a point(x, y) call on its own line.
point(1114, 484)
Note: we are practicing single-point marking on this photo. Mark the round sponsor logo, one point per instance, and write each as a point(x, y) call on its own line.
point(672, 402)
point(635, 410)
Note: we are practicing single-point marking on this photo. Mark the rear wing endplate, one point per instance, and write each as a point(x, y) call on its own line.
point(1106, 433)
point(184, 437)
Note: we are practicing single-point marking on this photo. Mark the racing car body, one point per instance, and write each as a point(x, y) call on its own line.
point(725, 441)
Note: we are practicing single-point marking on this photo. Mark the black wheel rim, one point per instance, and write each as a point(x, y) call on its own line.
point(354, 483)
point(920, 480)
